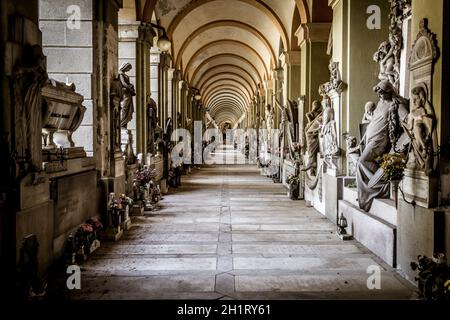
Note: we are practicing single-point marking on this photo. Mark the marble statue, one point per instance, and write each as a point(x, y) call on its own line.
point(29, 79)
point(129, 152)
point(328, 132)
point(270, 126)
point(378, 141)
point(312, 131)
point(369, 109)
point(353, 154)
point(269, 117)
point(420, 125)
point(128, 92)
point(386, 59)
point(152, 121)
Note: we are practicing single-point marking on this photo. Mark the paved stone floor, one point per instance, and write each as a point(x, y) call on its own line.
point(230, 233)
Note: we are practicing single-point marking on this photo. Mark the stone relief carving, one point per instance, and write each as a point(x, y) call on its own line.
point(421, 123)
point(377, 141)
point(328, 132)
point(335, 82)
point(421, 127)
point(389, 52)
point(29, 77)
point(353, 154)
point(312, 131)
point(128, 92)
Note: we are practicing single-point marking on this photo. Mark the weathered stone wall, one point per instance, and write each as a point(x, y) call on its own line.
point(69, 51)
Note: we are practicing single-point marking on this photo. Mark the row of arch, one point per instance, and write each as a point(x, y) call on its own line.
point(227, 49)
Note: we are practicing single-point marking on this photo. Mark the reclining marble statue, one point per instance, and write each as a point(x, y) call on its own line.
point(377, 142)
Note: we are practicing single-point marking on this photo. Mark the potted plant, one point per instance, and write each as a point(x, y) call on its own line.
point(433, 277)
point(294, 187)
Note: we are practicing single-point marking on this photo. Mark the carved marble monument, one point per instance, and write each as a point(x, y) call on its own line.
point(420, 184)
point(377, 141)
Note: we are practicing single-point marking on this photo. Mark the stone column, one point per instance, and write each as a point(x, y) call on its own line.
point(154, 76)
point(128, 47)
point(171, 98)
point(145, 41)
point(313, 41)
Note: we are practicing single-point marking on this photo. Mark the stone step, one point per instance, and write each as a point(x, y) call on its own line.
point(374, 233)
point(384, 209)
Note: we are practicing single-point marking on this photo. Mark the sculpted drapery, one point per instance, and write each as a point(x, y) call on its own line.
point(376, 143)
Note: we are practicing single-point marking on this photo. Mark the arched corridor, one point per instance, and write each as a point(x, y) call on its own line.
point(229, 232)
point(225, 149)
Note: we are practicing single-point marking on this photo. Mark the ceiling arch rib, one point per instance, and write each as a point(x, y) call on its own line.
point(227, 88)
point(226, 94)
point(231, 29)
point(224, 106)
point(261, 16)
point(228, 76)
point(221, 97)
point(224, 46)
point(216, 68)
point(229, 58)
point(228, 69)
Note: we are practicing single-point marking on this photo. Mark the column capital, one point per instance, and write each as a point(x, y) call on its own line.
point(146, 33)
point(128, 31)
point(290, 58)
point(313, 32)
point(170, 74)
point(333, 3)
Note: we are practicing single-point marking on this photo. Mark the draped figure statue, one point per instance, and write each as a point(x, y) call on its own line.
point(312, 131)
point(376, 143)
point(128, 92)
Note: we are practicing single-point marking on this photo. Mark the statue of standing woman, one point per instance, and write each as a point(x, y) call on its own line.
point(128, 92)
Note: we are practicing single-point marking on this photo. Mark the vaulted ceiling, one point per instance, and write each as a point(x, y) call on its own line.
point(227, 48)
